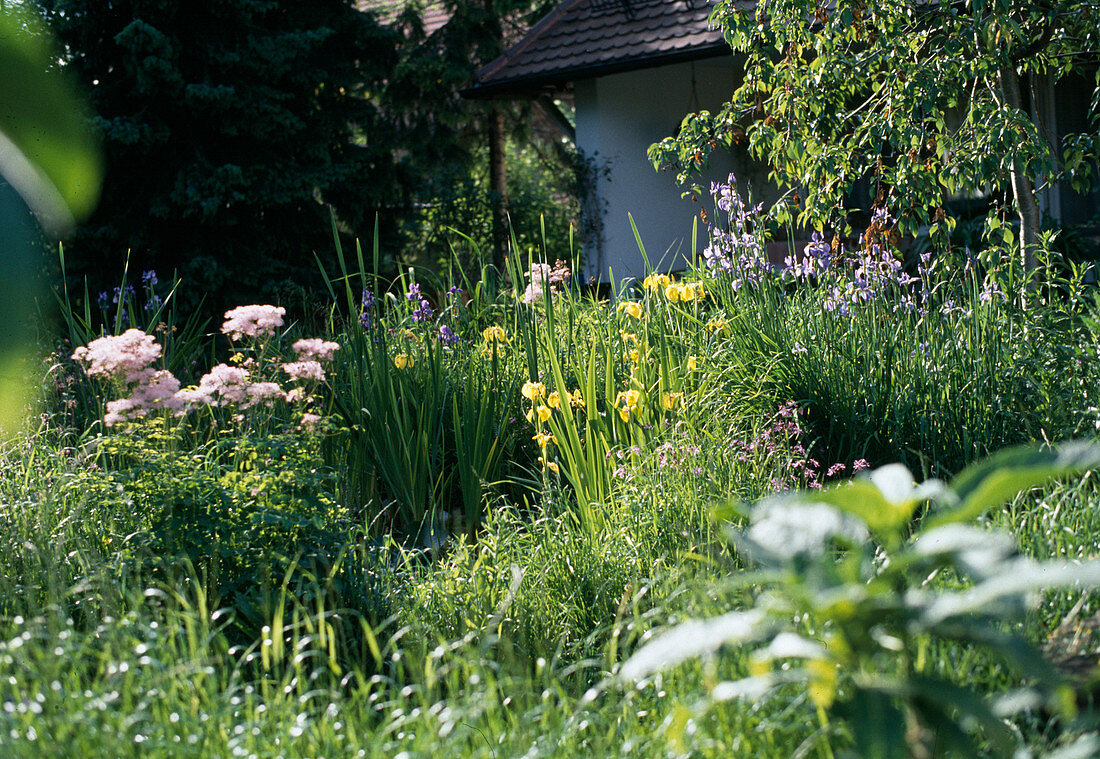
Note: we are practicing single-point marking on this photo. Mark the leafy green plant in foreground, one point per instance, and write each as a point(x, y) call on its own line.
point(849, 607)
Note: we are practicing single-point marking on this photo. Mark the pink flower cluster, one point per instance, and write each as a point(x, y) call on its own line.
point(128, 359)
point(124, 357)
point(157, 390)
point(544, 277)
point(305, 370)
point(315, 348)
point(253, 321)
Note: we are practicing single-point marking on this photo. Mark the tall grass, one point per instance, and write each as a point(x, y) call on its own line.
point(458, 563)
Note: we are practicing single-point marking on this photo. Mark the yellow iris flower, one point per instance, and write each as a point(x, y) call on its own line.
point(533, 390)
point(632, 308)
point(656, 282)
point(403, 361)
point(627, 401)
point(494, 335)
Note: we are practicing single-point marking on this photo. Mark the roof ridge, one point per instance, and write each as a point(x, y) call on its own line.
point(528, 39)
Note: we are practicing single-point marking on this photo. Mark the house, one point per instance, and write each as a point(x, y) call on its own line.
point(632, 70)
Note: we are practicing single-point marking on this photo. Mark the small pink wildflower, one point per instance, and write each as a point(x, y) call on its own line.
point(253, 321)
point(295, 395)
point(229, 383)
point(125, 357)
point(305, 370)
point(859, 465)
point(309, 422)
point(158, 391)
point(315, 348)
point(263, 392)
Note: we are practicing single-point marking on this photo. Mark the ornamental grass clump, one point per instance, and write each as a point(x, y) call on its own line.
point(923, 355)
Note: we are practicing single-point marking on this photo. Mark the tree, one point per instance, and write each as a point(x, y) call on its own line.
point(924, 100)
point(229, 127)
point(452, 132)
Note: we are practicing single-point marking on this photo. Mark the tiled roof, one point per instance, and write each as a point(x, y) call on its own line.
point(432, 12)
point(583, 38)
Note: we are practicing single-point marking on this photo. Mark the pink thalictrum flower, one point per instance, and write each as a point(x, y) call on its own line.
point(253, 321)
point(315, 348)
point(305, 370)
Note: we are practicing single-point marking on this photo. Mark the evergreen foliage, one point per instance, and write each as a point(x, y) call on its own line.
point(228, 128)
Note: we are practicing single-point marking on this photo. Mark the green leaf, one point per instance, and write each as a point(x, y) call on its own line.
point(692, 639)
point(1024, 577)
point(878, 725)
point(47, 152)
point(942, 693)
point(1000, 477)
point(885, 500)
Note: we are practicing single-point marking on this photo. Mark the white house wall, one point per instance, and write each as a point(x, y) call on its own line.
point(617, 118)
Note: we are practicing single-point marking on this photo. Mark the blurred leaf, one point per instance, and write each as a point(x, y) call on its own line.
point(1023, 577)
point(885, 499)
point(785, 527)
point(692, 639)
point(21, 243)
point(944, 694)
point(881, 725)
point(47, 152)
point(749, 688)
point(1085, 747)
point(980, 552)
point(1000, 477)
point(49, 166)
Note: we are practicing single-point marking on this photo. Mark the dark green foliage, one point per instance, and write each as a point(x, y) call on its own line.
point(448, 169)
point(228, 127)
point(239, 508)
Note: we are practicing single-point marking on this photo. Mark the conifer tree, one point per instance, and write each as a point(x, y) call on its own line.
point(229, 127)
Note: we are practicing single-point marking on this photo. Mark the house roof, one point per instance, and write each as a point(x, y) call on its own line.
point(433, 14)
point(586, 38)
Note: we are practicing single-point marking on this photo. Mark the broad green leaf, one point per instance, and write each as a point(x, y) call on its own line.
point(878, 725)
point(1000, 477)
point(49, 167)
point(22, 245)
point(946, 694)
point(981, 553)
point(47, 152)
point(885, 500)
point(1024, 577)
point(785, 527)
point(692, 639)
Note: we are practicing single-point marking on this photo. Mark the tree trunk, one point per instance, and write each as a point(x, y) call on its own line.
point(498, 187)
point(1022, 188)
